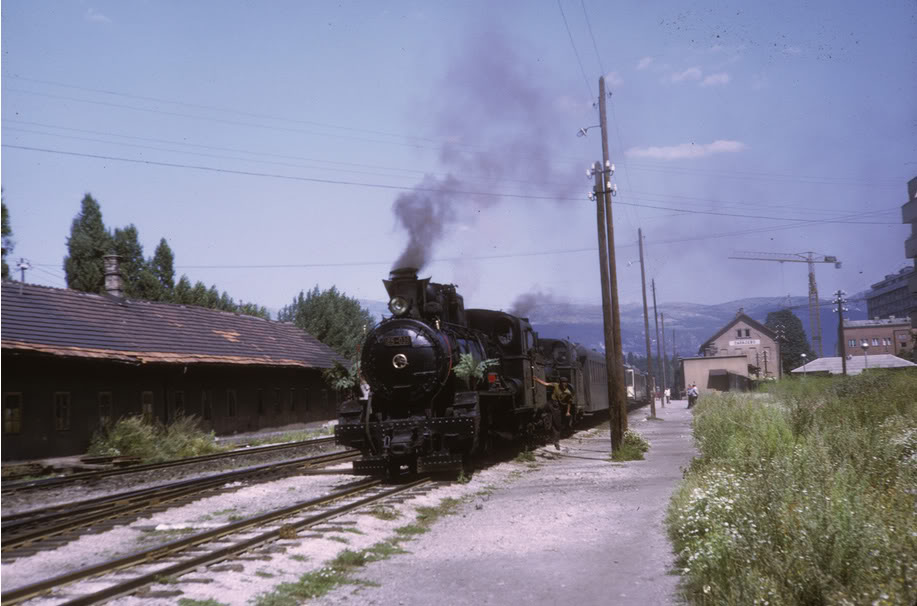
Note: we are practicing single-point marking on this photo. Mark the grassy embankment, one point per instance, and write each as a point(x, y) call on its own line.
point(806, 495)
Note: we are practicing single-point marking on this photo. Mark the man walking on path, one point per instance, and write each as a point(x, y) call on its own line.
point(578, 529)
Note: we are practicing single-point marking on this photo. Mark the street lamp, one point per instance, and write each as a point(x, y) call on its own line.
point(804, 362)
point(866, 354)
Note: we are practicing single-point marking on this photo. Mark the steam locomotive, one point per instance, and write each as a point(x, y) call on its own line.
point(445, 381)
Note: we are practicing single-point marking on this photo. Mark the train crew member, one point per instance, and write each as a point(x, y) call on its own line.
point(561, 398)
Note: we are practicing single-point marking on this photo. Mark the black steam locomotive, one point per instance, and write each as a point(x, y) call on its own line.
point(444, 382)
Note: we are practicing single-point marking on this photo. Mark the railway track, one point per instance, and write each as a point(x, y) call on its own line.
point(25, 533)
point(92, 476)
point(121, 576)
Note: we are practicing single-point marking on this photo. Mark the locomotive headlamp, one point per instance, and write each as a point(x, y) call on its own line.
point(398, 306)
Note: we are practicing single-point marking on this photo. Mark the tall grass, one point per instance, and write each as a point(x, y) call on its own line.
point(808, 496)
point(154, 442)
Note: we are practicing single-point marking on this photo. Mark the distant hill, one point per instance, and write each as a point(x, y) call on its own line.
point(693, 323)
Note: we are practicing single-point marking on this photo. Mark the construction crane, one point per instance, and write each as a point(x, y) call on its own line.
point(807, 257)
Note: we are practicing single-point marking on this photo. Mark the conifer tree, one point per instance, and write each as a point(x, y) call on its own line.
point(7, 239)
point(163, 269)
point(88, 243)
point(182, 293)
point(794, 342)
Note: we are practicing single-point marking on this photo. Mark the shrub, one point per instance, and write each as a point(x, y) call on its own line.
point(807, 497)
point(633, 445)
point(135, 437)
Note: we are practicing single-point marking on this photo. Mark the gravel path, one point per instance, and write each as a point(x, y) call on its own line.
point(569, 528)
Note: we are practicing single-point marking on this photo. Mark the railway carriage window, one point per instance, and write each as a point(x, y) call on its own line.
point(206, 404)
point(146, 405)
point(292, 399)
point(104, 407)
point(62, 411)
point(230, 402)
point(12, 412)
point(260, 401)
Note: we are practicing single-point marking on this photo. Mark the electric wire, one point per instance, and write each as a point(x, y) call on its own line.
point(416, 188)
point(575, 52)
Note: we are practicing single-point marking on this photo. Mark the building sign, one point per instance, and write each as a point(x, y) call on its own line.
point(744, 342)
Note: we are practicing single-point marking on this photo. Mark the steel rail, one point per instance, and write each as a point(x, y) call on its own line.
point(58, 519)
point(103, 473)
point(21, 594)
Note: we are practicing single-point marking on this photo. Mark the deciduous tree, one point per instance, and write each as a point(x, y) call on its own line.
point(330, 316)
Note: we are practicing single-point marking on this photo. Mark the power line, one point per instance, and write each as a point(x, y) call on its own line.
point(575, 52)
point(594, 45)
point(418, 188)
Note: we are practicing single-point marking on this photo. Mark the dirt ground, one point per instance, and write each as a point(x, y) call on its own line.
point(578, 530)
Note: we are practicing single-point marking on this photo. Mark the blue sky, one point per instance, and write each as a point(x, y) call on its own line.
point(268, 142)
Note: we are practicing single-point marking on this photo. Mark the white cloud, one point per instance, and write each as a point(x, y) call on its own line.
point(95, 17)
point(686, 150)
point(692, 73)
point(644, 63)
point(713, 79)
point(613, 79)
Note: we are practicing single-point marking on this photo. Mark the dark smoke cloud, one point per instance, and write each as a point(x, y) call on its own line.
point(500, 126)
point(526, 303)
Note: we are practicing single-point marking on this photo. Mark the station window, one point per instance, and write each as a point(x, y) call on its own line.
point(62, 411)
point(206, 404)
point(747, 332)
point(146, 405)
point(852, 343)
point(104, 408)
point(230, 402)
point(875, 341)
point(866, 342)
point(12, 412)
point(178, 403)
point(739, 333)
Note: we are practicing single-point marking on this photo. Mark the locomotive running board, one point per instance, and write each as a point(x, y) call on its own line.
point(438, 462)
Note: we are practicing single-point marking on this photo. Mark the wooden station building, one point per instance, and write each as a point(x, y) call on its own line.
point(74, 362)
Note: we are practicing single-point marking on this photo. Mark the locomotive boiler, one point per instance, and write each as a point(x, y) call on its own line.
point(422, 414)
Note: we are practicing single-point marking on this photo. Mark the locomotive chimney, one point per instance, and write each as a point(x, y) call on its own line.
point(113, 283)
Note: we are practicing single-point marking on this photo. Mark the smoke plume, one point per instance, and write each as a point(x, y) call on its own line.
point(499, 127)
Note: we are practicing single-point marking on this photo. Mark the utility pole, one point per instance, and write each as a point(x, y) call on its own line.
point(659, 357)
point(839, 300)
point(619, 396)
point(665, 380)
point(650, 393)
point(610, 361)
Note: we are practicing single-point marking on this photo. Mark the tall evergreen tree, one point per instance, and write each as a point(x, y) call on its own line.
point(88, 243)
point(7, 238)
point(163, 269)
point(182, 293)
point(330, 316)
point(794, 342)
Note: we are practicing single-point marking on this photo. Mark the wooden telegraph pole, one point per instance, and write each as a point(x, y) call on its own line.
point(841, 344)
point(646, 331)
point(665, 379)
point(659, 357)
point(610, 361)
point(618, 402)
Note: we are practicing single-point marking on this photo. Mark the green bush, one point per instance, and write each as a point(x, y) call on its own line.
point(808, 496)
point(135, 437)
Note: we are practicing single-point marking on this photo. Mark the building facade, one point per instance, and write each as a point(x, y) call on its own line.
point(75, 362)
point(909, 215)
point(747, 337)
point(879, 336)
point(892, 297)
point(716, 373)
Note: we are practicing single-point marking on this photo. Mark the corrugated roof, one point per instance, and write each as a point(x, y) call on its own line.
point(855, 364)
point(71, 323)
